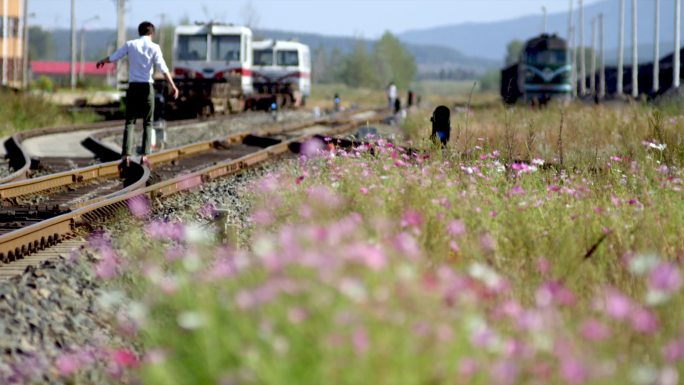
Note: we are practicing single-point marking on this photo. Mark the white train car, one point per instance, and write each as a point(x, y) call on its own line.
point(214, 51)
point(282, 68)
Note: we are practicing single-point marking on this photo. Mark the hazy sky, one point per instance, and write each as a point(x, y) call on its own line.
point(367, 18)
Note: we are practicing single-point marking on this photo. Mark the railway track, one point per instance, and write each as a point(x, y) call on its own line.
point(39, 213)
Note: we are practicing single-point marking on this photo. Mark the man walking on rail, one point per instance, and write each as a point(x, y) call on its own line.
point(143, 56)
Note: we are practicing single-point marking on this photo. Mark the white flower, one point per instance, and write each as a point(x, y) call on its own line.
point(191, 320)
point(642, 264)
point(538, 162)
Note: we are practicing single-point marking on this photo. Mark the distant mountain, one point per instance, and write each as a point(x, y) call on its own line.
point(430, 57)
point(489, 40)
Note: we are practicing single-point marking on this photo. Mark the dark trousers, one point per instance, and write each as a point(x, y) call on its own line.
point(139, 104)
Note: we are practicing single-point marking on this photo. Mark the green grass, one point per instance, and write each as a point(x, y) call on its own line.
point(20, 112)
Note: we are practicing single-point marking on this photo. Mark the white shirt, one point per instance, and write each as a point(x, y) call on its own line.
point(143, 55)
point(392, 92)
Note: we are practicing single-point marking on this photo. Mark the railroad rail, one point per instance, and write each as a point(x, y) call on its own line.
point(74, 198)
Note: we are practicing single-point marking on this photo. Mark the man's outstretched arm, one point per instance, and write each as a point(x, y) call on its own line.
point(118, 54)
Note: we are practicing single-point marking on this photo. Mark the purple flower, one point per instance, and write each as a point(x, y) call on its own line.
point(411, 218)
point(139, 206)
point(665, 277)
point(456, 228)
point(616, 304)
point(594, 331)
point(644, 321)
point(573, 371)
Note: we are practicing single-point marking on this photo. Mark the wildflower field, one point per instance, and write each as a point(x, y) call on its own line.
point(540, 247)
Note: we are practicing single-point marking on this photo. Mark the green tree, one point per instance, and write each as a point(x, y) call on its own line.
point(41, 46)
point(393, 62)
point(513, 50)
point(357, 68)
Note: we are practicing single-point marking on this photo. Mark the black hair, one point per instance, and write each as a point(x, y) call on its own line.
point(145, 28)
point(441, 124)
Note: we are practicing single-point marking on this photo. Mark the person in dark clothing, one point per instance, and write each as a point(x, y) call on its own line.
point(143, 56)
point(441, 125)
point(397, 105)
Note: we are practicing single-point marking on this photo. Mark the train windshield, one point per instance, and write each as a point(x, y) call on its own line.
point(263, 57)
point(288, 58)
point(549, 57)
point(226, 47)
point(192, 47)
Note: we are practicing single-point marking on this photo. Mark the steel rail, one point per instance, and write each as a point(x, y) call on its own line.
point(21, 242)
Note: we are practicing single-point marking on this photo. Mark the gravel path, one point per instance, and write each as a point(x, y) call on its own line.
point(5, 169)
point(179, 136)
point(58, 306)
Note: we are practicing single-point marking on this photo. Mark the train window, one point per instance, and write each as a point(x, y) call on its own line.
point(287, 58)
point(226, 47)
point(263, 57)
point(549, 57)
point(192, 47)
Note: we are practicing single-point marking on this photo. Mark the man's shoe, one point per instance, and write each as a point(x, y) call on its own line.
point(124, 165)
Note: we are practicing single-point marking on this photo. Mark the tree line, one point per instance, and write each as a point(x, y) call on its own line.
point(387, 61)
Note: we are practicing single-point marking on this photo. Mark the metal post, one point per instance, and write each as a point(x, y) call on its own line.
point(81, 70)
point(583, 58)
point(25, 46)
point(621, 49)
point(656, 49)
point(570, 29)
point(678, 27)
point(120, 41)
point(602, 73)
point(73, 44)
point(592, 79)
point(635, 52)
point(5, 43)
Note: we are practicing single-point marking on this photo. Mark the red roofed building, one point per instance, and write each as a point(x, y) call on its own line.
point(60, 71)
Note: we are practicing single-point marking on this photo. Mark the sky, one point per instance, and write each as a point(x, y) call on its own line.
point(361, 18)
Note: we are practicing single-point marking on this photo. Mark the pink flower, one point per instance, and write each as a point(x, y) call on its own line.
point(124, 358)
point(665, 277)
point(467, 367)
point(360, 341)
point(673, 351)
point(411, 218)
point(517, 190)
point(487, 243)
point(68, 364)
point(456, 228)
point(573, 371)
point(543, 265)
point(139, 206)
point(594, 331)
point(363, 190)
point(617, 305)
point(644, 321)
point(505, 372)
point(312, 147)
point(454, 246)
point(208, 210)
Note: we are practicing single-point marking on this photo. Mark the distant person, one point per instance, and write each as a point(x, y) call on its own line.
point(391, 94)
point(397, 105)
point(143, 56)
point(441, 125)
point(409, 99)
point(337, 103)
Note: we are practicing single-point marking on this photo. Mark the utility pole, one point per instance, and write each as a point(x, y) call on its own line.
point(25, 48)
point(571, 49)
point(656, 49)
point(545, 25)
point(161, 30)
point(574, 61)
point(583, 58)
point(592, 80)
point(602, 73)
point(678, 27)
point(621, 49)
point(5, 40)
point(73, 44)
point(120, 41)
point(635, 52)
